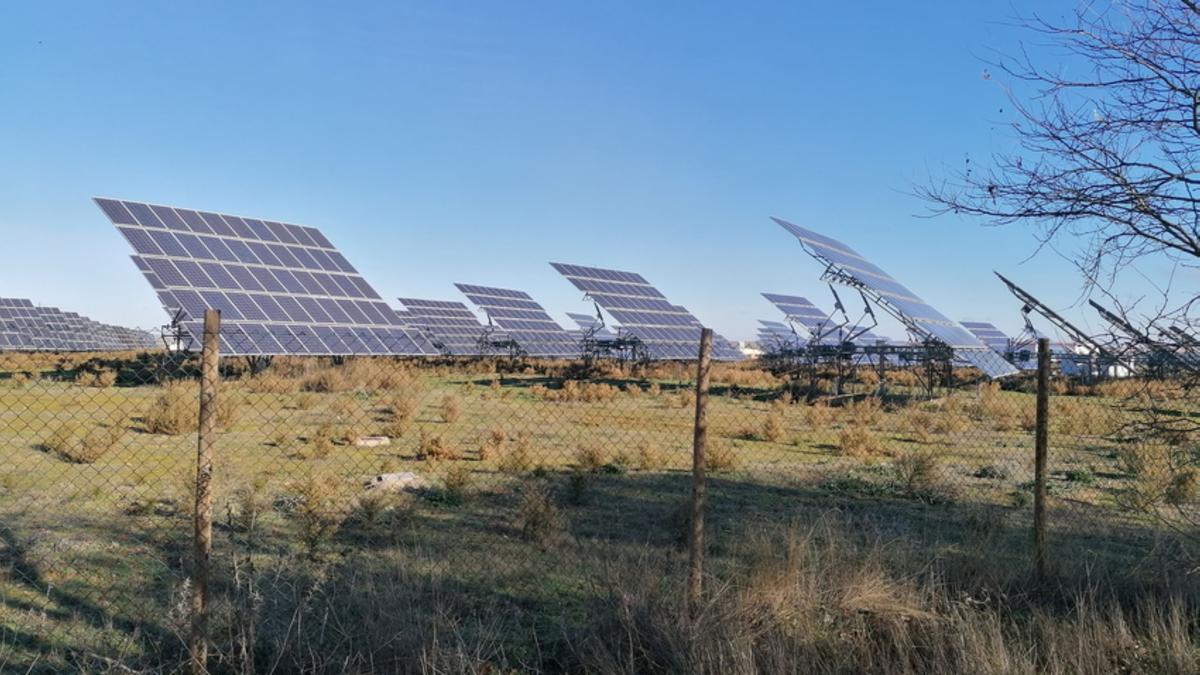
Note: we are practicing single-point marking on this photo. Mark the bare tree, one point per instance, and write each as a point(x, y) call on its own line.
point(1105, 161)
point(1108, 156)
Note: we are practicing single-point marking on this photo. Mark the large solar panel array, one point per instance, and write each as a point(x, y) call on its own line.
point(281, 288)
point(777, 335)
point(27, 327)
point(591, 326)
point(450, 326)
point(815, 322)
point(524, 320)
point(847, 266)
point(667, 331)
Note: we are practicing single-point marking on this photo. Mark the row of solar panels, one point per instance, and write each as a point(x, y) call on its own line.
point(285, 289)
point(28, 327)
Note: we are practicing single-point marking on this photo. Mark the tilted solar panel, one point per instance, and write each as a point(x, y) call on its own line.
point(988, 334)
point(849, 267)
point(590, 325)
point(524, 320)
point(450, 326)
point(281, 288)
point(668, 332)
point(27, 327)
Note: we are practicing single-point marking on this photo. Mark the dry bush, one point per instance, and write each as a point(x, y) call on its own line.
point(866, 412)
point(773, 428)
point(574, 391)
point(432, 447)
point(320, 444)
point(858, 441)
point(77, 444)
point(304, 401)
point(175, 411)
point(403, 408)
point(451, 409)
point(918, 423)
point(634, 390)
point(947, 422)
point(720, 456)
point(902, 378)
point(493, 444)
point(916, 471)
point(655, 389)
point(519, 458)
point(457, 481)
point(328, 381)
point(591, 458)
point(741, 375)
point(819, 416)
point(270, 382)
point(686, 398)
point(537, 517)
point(100, 379)
point(650, 457)
point(396, 428)
point(867, 376)
point(318, 510)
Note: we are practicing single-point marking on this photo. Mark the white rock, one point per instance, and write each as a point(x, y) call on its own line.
point(397, 482)
point(372, 441)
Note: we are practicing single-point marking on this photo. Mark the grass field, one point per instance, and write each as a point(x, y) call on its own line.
point(543, 494)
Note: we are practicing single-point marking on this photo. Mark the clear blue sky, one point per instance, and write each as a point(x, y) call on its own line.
point(441, 142)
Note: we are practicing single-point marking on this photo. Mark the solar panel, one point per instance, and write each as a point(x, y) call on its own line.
point(524, 320)
point(988, 335)
point(450, 326)
point(590, 325)
point(668, 332)
point(845, 265)
point(281, 288)
point(27, 327)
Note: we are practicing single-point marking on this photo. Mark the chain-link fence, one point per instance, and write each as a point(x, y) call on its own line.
point(384, 514)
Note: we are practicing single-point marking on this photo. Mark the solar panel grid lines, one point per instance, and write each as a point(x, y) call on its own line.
point(281, 288)
point(847, 266)
point(524, 320)
point(450, 326)
point(667, 331)
point(591, 325)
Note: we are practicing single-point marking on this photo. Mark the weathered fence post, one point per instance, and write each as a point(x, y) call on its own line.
point(699, 445)
point(1040, 441)
point(210, 375)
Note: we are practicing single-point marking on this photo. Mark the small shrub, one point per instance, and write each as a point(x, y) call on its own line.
point(720, 457)
point(916, 471)
point(578, 483)
point(918, 423)
point(451, 409)
point(396, 428)
point(519, 458)
point(316, 511)
point(591, 458)
point(1183, 488)
point(101, 379)
point(650, 457)
point(457, 482)
point(655, 389)
point(1081, 476)
point(537, 518)
point(304, 401)
point(686, 398)
point(819, 416)
point(320, 443)
point(773, 428)
point(175, 411)
point(990, 472)
point(432, 447)
point(858, 441)
point(75, 444)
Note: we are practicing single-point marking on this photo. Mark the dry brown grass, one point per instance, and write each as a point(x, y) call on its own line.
point(519, 458)
point(773, 427)
point(592, 457)
point(537, 517)
point(650, 457)
point(720, 456)
point(100, 379)
point(917, 471)
point(79, 444)
point(574, 391)
point(433, 447)
point(175, 411)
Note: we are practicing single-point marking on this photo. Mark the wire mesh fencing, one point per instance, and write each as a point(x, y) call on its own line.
point(365, 508)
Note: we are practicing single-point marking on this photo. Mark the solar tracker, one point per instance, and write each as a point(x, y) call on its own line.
point(281, 288)
point(988, 334)
point(777, 335)
point(450, 326)
point(591, 326)
point(27, 327)
point(667, 331)
point(524, 320)
point(844, 265)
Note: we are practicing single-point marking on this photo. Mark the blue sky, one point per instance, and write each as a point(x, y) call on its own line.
point(443, 142)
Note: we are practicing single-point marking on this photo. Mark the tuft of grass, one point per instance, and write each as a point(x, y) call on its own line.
point(650, 457)
point(591, 458)
point(916, 471)
point(78, 444)
point(720, 456)
point(773, 427)
point(433, 447)
point(175, 411)
point(519, 458)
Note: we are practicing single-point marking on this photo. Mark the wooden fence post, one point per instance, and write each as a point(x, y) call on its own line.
point(699, 446)
point(210, 375)
point(1040, 449)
